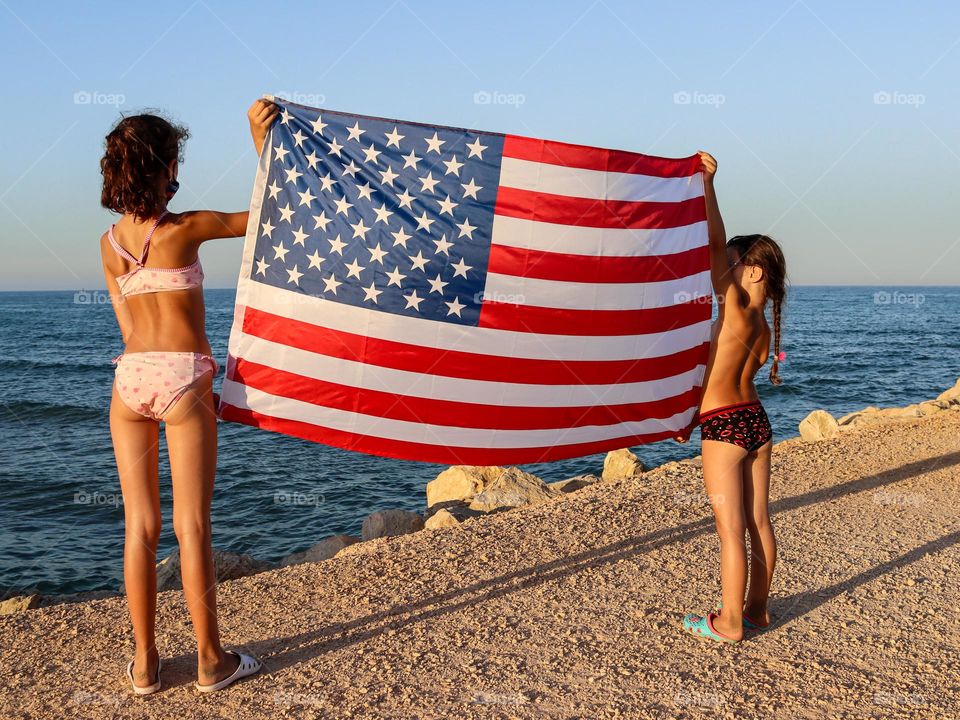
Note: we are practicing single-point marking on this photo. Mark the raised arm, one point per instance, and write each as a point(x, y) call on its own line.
point(261, 116)
point(719, 264)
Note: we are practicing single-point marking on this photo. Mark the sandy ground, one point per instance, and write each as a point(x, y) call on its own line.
point(571, 609)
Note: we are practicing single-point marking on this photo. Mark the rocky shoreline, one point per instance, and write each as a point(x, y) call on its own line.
point(462, 492)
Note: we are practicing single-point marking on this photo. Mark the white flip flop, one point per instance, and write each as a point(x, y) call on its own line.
point(149, 689)
point(248, 666)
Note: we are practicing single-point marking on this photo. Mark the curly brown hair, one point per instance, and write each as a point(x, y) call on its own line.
point(135, 164)
point(763, 251)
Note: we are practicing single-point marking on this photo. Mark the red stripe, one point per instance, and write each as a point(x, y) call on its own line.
point(522, 262)
point(426, 452)
point(556, 321)
point(429, 411)
point(590, 212)
point(460, 364)
point(591, 158)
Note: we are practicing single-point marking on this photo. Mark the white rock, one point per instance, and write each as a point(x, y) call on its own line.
point(818, 425)
point(441, 518)
point(487, 487)
point(323, 550)
point(390, 523)
point(951, 395)
point(621, 464)
point(19, 603)
point(573, 484)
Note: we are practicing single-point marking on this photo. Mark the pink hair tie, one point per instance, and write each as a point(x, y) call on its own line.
point(781, 356)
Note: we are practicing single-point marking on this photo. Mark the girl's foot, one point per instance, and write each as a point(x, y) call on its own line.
point(756, 617)
point(242, 666)
point(145, 682)
point(704, 627)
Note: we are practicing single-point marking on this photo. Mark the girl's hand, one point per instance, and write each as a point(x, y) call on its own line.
point(261, 115)
point(708, 164)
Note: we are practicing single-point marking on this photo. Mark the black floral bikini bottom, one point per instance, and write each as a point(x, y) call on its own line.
point(745, 425)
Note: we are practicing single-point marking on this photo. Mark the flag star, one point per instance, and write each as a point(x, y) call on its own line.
point(355, 132)
point(337, 245)
point(281, 152)
point(476, 149)
point(286, 212)
point(405, 199)
point(461, 268)
point(447, 206)
point(411, 160)
point(400, 237)
point(365, 191)
point(321, 221)
point(280, 252)
point(470, 189)
point(268, 228)
point(424, 222)
point(388, 176)
point(351, 169)
point(306, 197)
point(395, 277)
point(315, 260)
point(371, 293)
point(331, 284)
point(455, 307)
point(419, 262)
point(413, 301)
point(360, 230)
point(466, 228)
point(274, 189)
point(285, 116)
point(327, 182)
point(443, 244)
point(383, 215)
point(318, 125)
point(299, 236)
point(394, 138)
point(298, 138)
point(354, 269)
point(335, 147)
point(293, 174)
point(437, 285)
point(434, 143)
point(261, 267)
point(342, 206)
point(371, 154)
point(377, 253)
point(453, 167)
point(295, 275)
point(313, 160)
point(427, 183)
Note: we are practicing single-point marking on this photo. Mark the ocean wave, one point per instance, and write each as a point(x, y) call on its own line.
point(23, 410)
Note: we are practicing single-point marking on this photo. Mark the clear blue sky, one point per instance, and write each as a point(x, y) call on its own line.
point(859, 191)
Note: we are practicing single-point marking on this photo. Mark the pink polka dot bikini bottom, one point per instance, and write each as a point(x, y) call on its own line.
point(151, 383)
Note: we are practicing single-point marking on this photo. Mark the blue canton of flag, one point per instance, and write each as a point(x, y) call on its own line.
point(379, 214)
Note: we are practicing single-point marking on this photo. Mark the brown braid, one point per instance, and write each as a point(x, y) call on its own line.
point(765, 253)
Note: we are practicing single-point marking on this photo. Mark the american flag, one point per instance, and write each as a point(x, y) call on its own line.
point(447, 295)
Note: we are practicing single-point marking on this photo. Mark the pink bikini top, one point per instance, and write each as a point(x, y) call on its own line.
point(149, 280)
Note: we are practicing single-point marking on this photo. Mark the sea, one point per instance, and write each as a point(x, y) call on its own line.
point(61, 512)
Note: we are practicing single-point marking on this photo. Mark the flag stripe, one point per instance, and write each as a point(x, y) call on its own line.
point(546, 320)
point(464, 390)
point(378, 403)
point(568, 267)
point(456, 363)
point(577, 182)
point(611, 242)
point(587, 212)
point(427, 449)
point(590, 158)
point(689, 327)
point(249, 398)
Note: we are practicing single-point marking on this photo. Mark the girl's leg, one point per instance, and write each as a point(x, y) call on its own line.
point(135, 447)
point(723, 478)
point(763, 543)
point(191, 429)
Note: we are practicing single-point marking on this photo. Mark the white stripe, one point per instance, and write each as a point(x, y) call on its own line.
point(596, 296)
point(610, 242)
point(597, 184)
point(447, 336)
point(280, 407)
point(455, 389)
